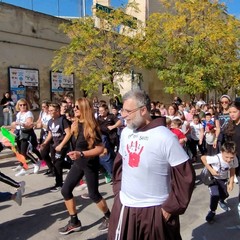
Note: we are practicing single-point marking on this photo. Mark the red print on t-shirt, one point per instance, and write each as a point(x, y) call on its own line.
point(134, 157)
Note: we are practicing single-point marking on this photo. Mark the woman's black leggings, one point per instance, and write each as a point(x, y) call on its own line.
point(24, 149)
point(45, 153)
point(8, 180)
point(75, 175)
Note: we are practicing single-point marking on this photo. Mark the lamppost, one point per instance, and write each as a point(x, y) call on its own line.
point(132, 79)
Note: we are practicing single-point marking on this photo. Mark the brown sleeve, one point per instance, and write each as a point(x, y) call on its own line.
point(182, 184)
point(117, 174)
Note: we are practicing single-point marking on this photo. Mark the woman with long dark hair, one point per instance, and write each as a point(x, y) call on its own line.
point(232, 133)
point(87, 147)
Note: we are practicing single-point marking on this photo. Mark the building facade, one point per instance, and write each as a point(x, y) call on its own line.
point(28, 40)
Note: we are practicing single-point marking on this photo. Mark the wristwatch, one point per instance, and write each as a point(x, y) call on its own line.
point(81, 154)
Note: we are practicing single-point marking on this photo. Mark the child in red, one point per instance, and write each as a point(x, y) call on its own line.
point(176, 129)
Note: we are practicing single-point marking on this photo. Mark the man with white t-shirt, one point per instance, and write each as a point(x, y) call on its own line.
point(153, 179)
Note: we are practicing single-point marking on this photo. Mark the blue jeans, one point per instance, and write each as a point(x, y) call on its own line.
point(7, 118)
point(107, 160)
point(5, 196)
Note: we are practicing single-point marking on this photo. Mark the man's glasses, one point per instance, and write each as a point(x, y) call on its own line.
point(128, 112)
point(22, 105)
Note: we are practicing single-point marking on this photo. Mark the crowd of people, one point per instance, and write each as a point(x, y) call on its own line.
point(135, 141)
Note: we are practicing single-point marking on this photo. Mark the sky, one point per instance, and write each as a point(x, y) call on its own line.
point(72, 7)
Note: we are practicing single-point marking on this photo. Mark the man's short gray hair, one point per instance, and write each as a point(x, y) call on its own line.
point(141, 97)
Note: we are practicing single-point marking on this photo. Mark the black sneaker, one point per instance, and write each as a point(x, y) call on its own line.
point(104, 225)
point(48, 172)
point(70, 227)
point(210, 216)
point(223, 205)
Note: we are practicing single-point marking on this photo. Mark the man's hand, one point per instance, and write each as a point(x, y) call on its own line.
point(165, 214)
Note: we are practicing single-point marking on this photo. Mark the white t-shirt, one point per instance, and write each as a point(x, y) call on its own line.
point(22, 117)
point(195, 130)
point(223, 170)
point(45, 117)
point(147, 158)
point(210, 137)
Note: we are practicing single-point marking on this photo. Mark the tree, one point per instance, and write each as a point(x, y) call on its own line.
point(194, 45)
point(97, 54)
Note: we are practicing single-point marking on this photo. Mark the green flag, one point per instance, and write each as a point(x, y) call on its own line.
point(7, 134)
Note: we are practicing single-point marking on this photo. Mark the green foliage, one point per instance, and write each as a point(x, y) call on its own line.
point(94, 54)
point(194, 45)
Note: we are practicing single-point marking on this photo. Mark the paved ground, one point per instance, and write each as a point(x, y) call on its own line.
point(43, 212)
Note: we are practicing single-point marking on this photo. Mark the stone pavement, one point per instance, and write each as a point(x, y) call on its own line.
point(43, 212)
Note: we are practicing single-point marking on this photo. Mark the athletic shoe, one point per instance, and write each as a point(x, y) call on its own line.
point(235, 179)
point(18, 197)
point(85, 196)
point(70, 227)
point(36, 167)
point(43, 163)
point(22, 172)
point(22, 187)
point(51, 174)
point(210, 216)
point(55, 189)
point(48, 172)
point(18, 168)
point(108, 178)
point(239, 210)
point(223, 205)
point(104, 225)
point(81, 187)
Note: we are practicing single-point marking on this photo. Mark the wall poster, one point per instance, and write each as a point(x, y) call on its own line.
point(61, 86)
point(24, 83)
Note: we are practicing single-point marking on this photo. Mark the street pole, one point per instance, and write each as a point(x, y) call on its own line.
point(84, 8)
point(132, 78)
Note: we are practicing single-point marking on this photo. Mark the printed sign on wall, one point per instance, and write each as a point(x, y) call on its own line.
point(24, 83)
point(61, 86)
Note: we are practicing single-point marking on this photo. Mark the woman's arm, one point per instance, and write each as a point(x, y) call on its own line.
point(96, 151)
point(28, 123)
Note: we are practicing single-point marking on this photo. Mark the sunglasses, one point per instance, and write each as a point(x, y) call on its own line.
point(77, 107)
point(225, 102)
point(22, 105)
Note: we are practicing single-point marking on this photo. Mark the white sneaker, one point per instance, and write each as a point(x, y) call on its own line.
point(81, 187)
point(22, 172)
point(22, 187)
point(18, 168)
point(239, 210)
point(18, 197)
point(36, 167)
point(235, 179)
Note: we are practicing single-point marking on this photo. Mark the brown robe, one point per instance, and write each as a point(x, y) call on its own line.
point(148, 223)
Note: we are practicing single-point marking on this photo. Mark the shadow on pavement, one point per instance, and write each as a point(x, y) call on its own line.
point(225, 226)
